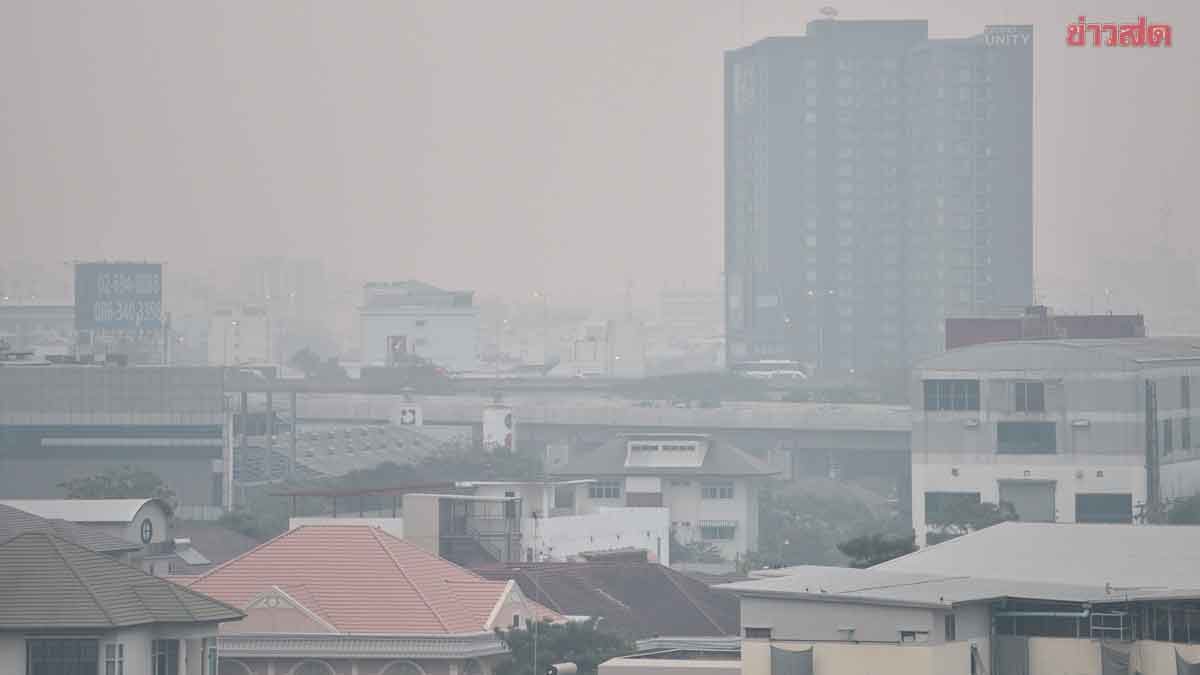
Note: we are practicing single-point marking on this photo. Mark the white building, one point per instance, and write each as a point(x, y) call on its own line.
point(1063, 430)
point(710, 487)
point(239, 336)
point(607, 349)
point(404, 319)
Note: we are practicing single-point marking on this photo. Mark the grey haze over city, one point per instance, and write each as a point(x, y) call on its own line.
point(515, 147)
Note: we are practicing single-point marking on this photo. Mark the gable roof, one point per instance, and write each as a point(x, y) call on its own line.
point(359, 579)
point(1143, 556)
point(636, 600)
point(14, 521)
point(722, 459)
point(84, 510)
point(48, 582)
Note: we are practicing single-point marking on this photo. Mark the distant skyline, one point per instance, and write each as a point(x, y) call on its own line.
point(513, 147)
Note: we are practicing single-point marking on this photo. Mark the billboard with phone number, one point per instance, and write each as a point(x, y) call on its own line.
point(121, 296)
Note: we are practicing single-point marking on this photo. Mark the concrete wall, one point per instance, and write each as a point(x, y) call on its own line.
point(79, 395)
point(449, 336)
point(421, 522)
point(1158, 658)
point(863, 659)
point(1181, 477)
point(137, 642)
point(255, 666)
point(818, 621)
point(645, 666)
point(683, 497)
point(565, 536)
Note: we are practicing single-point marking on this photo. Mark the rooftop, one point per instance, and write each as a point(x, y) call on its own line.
point(1146, 557)
point(610, 459)
point(636, 600)
point(50, 583)
point(84, 510)
point(1069, 355)
point(356, 579)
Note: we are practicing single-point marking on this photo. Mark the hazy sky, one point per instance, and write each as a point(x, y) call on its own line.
point(509, 146)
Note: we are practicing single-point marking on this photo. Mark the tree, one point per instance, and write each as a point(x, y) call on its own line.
point(1184, 511)
point(872, 549)
point(122, 482)
point(694, 551)
point(306, 361)
point(957, 517)
point(574, 642)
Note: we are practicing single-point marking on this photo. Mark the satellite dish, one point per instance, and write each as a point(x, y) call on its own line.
point(828, 11)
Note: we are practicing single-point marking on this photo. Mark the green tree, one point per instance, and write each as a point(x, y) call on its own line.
point(306, 361)
point(1184, 511)
point(694, 551)
point(574, 642)
point(957, 517)
point(121, 482)
point(872, 549)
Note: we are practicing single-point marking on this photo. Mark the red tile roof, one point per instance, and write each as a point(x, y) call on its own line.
point(360, 580)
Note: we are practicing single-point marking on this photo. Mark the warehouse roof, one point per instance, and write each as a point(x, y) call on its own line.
point(48, 582)
point(1126, 556)
point(1067, 355)
point(85, 510)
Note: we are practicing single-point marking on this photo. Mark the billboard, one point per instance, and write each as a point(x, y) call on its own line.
point(120, 296)
point(498, 428)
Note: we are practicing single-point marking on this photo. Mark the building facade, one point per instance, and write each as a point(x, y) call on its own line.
point(1061, 430)
point(408, 319)
point(1040, 322)
point(876, 182)
point(710, 488)
point(240, 336)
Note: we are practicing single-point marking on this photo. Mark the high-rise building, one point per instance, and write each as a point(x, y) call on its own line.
point(876, 182)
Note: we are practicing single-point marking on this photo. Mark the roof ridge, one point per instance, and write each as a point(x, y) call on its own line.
point(415, 587)
point(544, 594)
point(667, 572)
point(74, 572)
point(217, 568)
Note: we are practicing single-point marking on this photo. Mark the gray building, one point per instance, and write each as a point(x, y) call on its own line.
point(876, 182)
point(1089, 431)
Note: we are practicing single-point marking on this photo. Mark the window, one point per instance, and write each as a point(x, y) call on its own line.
point(952, 394)
point(1167, 444)
point(1036, 438)
point(516, 621)
point(1030, 396)
point(114, 659)
point(940, 507)
point(1104, 508)
point(914, 636)
point(61, 656)
point(951, 628)
point(420, 323)
point(717, 530)
point(209, 645)
point(758, 633)
point(564, 497)
point(605, 489)
point(165, 657)
point(722, 490)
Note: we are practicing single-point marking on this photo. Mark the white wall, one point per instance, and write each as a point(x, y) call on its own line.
point(1181, 479)
point(682, 497)
point(449, 336)
point(158, 521)
point(137, 641)
point(564, 536)
point(982, 477)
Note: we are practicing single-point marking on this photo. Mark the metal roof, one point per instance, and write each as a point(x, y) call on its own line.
point(1129, 557)
point(1068, 355)
point(84, 510)
point(872, 586)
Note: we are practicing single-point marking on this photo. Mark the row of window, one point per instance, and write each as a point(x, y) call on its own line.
point(611, 489)
point(68, 656)
point(964, 395)
point(955, 507)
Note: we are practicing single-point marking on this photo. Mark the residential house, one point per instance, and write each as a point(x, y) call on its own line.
point(343, 599)
point(710, 487)
point(68, 610)
point(14, 521)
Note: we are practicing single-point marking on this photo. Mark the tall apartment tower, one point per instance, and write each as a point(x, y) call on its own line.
point(876, 181)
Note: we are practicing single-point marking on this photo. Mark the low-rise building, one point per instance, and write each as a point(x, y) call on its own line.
point(326, 599)
point(67, 609)
point(406, 319)
point(1061, 430)
point(710, 487)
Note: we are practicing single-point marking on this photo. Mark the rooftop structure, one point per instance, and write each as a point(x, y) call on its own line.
point(14, 521)
point(1039, 322)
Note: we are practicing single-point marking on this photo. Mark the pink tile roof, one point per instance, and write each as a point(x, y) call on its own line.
point(361, 580)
